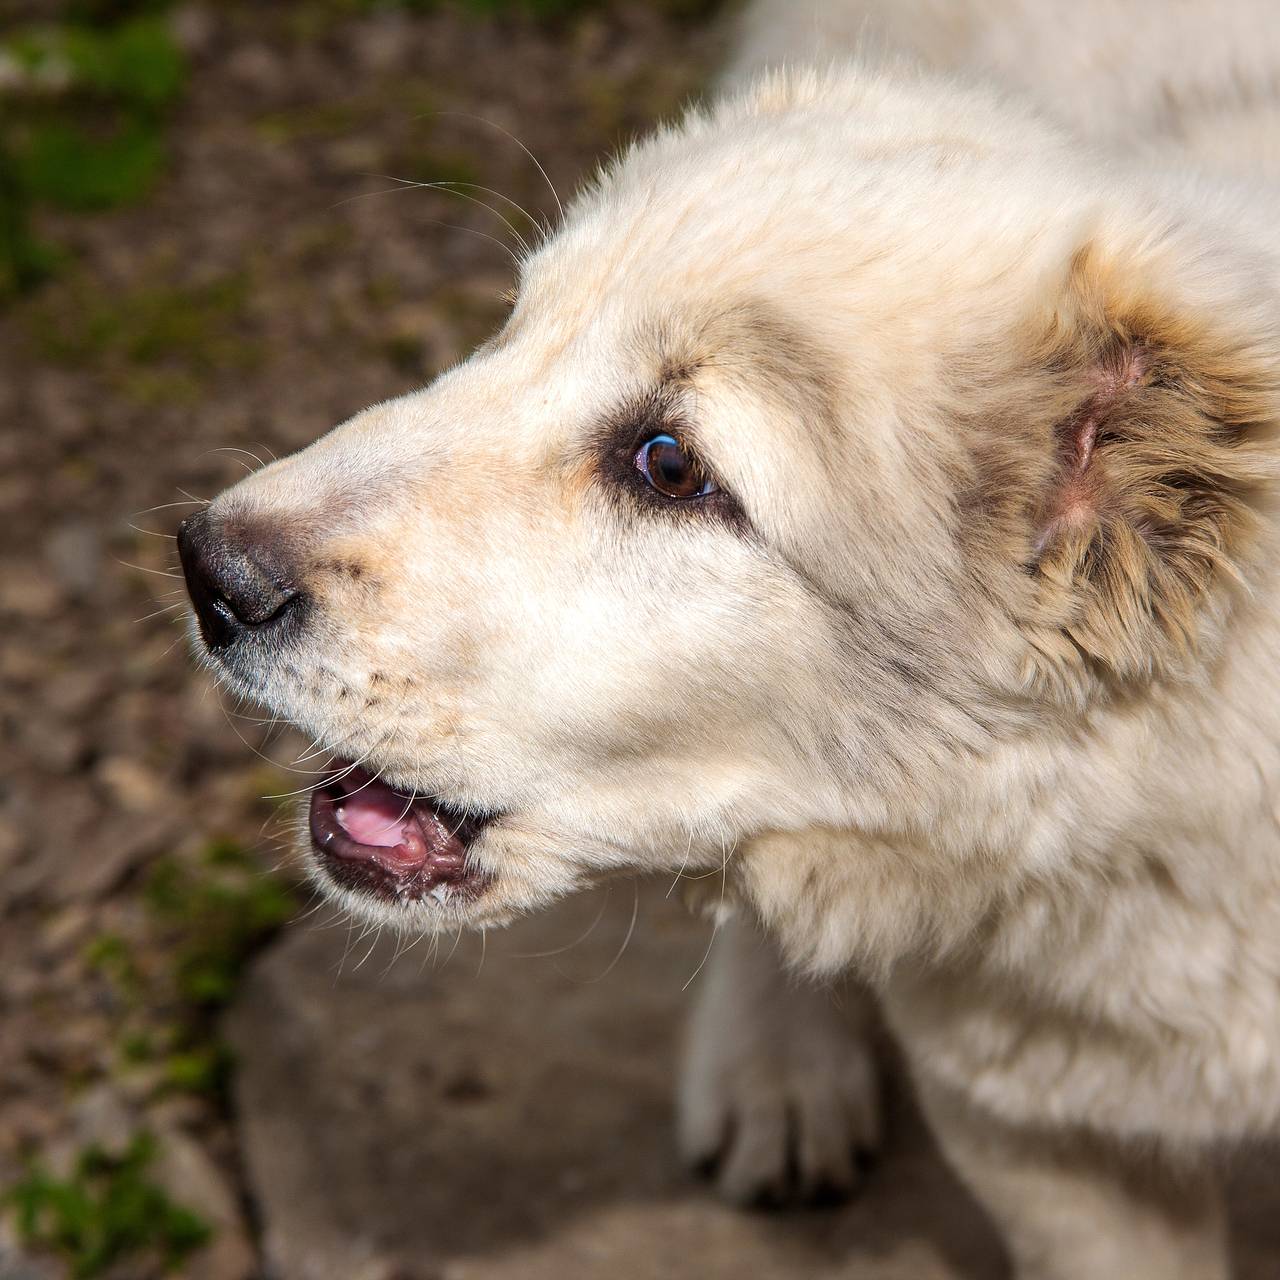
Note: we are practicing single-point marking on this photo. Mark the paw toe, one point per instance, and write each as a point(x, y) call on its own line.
point(788, 1150)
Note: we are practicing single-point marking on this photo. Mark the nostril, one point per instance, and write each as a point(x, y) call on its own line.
point(252, 596)
point(238, 582)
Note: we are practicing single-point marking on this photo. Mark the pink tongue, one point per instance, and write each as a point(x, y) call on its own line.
point(376, 815)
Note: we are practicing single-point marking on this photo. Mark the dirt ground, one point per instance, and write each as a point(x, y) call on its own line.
point(274, 279)
point(196, 1075)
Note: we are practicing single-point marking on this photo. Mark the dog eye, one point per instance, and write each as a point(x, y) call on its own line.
point(671, 471)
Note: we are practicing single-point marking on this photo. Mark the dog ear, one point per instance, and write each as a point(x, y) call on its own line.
point(1148, 469)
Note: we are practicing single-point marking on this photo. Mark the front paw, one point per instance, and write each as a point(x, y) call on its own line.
point(783, 1115)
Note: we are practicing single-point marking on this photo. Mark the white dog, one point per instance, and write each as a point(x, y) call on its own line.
point(869, 501)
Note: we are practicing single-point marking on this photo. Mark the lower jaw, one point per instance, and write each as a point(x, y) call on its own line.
point(373, 880)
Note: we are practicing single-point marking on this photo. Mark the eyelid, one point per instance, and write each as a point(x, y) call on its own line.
point(615, 448)
point(661, 411)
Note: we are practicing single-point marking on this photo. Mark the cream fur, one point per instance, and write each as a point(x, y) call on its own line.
point(976, 700)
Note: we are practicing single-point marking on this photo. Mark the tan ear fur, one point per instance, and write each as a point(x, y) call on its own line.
point(1147, 455)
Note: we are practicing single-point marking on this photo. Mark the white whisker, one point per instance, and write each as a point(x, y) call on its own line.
point(631, 928)
point(719, 920)
point(558, 951)
point(463, 115)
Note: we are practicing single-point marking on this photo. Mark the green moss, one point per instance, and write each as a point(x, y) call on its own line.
point(111, 956)
point(137, 1046)
point(74, 168)
point(225, 851)
point(107, 1211)
point(216, 919)
point(84, 128)
point(197, 327)
point(26, 260)
point(204, 1069)
point(210, 917)
point(193, 323)
point(204, 919)
point(134, 63)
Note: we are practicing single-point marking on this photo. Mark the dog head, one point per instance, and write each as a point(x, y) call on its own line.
point(841, 437)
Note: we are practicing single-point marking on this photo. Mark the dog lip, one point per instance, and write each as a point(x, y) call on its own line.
point(426, 858)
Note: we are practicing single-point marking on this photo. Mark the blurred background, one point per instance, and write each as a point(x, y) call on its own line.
point(212, 248)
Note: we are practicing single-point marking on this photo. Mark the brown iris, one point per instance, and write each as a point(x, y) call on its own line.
point(671, 471)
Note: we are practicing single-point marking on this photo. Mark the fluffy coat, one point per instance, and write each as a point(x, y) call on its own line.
point(965, 681)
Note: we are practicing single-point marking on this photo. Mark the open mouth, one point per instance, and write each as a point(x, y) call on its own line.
point(397, 846)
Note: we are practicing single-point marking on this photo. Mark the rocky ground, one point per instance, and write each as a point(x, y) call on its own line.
point(194, 1075)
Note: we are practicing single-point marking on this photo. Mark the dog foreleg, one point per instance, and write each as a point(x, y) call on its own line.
point(779, 1098)
point(1072, 1209)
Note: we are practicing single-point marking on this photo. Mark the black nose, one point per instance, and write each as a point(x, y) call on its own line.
point(238, 577)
